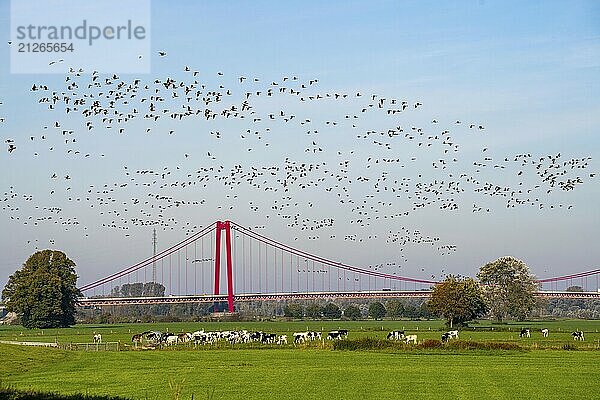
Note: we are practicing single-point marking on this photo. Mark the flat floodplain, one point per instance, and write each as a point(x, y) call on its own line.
point(309, 372)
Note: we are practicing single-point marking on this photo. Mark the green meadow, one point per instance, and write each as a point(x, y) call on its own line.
point(540, 370)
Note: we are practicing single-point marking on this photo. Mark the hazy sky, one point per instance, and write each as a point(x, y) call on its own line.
point(527, 72)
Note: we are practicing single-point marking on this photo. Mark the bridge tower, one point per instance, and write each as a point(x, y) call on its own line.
point(154, 256)
point(226, 226)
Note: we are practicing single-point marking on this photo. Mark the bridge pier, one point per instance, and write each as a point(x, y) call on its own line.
point(224, 225)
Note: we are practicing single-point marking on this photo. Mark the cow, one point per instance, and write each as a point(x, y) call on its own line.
point(334, 335)
point(395, 335)
point(267, 338)
point(578, 335)
point(282, 339)
point(525, 333)
point(97, 338)
point(410, 339)
point(300, 337)
point(445, 337)
point(545, 332)
point(136, 338)
point(452, 334)
point(154, 336)
point(184, 337)
point(170, 338)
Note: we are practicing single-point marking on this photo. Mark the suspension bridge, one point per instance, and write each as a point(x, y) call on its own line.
point(259, 268)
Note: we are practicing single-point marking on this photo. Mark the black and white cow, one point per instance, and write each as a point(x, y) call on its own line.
point(396, 335)
point(282, 340)
point(337, 335)
point(410, 339)
point(545, 332)
point(300, 337)
point(525, 333)
point(154, 336)
point(445, 337)
point(452, 334)
point(578, 335)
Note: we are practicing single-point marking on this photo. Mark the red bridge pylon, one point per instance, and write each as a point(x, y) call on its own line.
point(224, 225)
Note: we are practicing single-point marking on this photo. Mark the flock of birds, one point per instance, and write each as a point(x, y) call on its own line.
point(318, 161)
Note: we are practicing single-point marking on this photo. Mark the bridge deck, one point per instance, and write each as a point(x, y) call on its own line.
point(209, 298)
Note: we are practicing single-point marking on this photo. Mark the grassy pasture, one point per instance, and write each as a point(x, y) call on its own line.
point(560, 331)
point(307, 372)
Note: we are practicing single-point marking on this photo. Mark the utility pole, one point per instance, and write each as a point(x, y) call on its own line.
point(154, 256)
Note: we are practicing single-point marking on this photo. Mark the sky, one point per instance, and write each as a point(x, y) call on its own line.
point(526, 72)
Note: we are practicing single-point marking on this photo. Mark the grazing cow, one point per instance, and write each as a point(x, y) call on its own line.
point(410, 339)
point(171, 339)
point(395, 335)
point(578, 335)
point(300, 337)
point(154, 336)
point(545, 332)
point(137, 338)
point(452, 334)
point(525, 333)
point(282, 339)
point(97, 338)
point(184, 337)
point(267, 338)
point(343, 332)
point(334, 335)
point(445, 337)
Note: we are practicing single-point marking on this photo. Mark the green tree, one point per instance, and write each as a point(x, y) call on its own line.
point(332, 311)
point(293, 310)
point(43, 292)
point(411, 311)
point(352, 312)
point(313, 311)
point(457, 300)
point(509, 288)
point(395, 309)
point(377, 310)
point(574, 289)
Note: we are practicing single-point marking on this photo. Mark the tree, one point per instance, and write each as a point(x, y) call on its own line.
point(313, 311)
point(148, 289)
point(352, 312)
point(574, 289)
point(332, 311)
point(376, 310)
point(457, 300)
point(395, 309)
point(293, 310)
point(509, 288)
point(43, 292)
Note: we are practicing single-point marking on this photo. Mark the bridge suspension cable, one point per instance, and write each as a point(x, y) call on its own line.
point(148, 261)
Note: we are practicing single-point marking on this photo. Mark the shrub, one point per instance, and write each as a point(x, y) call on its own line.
point(366, 343)
point(431, 344)
point(473, 345)
point(369, 343)
point(569, 346)
point(16, 394)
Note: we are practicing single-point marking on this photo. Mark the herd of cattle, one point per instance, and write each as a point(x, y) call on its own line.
point(526, 332)
point(243, 336)
point(232, 337)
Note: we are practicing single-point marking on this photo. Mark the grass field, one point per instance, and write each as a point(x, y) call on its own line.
point(309, 372)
